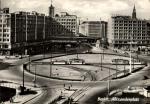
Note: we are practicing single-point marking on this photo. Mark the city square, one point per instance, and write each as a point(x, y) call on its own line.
point(74, 52)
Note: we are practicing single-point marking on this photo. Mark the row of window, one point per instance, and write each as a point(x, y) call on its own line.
point(138, 22)
point(4, 35)
point(134, 28)
point(68, 20)
point(5, 30)
point(129, 25)
point(68, 23)
point(4, 40)
point(125, 42)
point(4, 46)
point(143, 38)
point(125, 34)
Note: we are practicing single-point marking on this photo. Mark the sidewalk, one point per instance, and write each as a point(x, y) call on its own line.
point(22, 99)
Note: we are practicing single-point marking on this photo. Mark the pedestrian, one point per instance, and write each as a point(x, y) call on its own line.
point(10, 100)
point(64, 85)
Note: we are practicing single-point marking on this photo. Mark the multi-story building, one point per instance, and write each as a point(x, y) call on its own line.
point(64, 24)
point(28, 28)
point(20, 30)
point(124, 31)
point(5, 31)
point(94, 29)
point(69, 22)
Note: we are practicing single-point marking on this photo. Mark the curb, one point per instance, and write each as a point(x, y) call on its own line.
point(33, 98)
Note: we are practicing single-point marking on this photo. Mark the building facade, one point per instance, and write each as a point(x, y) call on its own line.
point(69, 22)
point(5, 31)
point(21, 30)
point(94, 29)
point(124, 31)
point(63, 24)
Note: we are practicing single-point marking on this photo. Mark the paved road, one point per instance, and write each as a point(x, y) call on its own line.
point(50, 86)
point(94, 88)
point(101, 89)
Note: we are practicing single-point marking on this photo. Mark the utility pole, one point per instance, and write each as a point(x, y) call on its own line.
point(130, 71)
point(78, 47)
point(44, 38)
point(51, 63)
point(29, 61)
point(109, 83)
point(23, 76)
point(116, 67)
point(124, 67)
point(35, 76)
point(23, 87)
point(101, 58)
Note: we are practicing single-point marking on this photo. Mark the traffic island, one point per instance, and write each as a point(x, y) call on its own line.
point(26, 91)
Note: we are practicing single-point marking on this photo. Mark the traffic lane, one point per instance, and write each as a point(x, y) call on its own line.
point(92, 94)
point(15, 74)
point(4, 66)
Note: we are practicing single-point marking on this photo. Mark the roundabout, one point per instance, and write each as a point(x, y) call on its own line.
point(95, 68)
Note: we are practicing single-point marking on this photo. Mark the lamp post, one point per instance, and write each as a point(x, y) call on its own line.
point(103, 53)
point(24, 66)
point(130, 71)
point(78, 47)
point(124, 66)
point(109, 83)
point(23, 85)
point(43, 50)
point(35, 76)
point(101, 63)
point(29, 62)
point(51, 64)
point(116, 67)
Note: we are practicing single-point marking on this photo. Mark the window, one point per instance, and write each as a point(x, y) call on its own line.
point(5, 46)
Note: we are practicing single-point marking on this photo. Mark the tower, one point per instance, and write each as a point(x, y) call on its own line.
point(51, 10)
point(134, 13)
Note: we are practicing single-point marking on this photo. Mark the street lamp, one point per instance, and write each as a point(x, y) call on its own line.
point(78, 47)
point(116, 67)
point(29, 62)
point(23, 86)
point(51, 64)
point(109, 83)
point(101, 58)
point(35, 76)
point(124, 61)
point(101, 63)
point(43, 50)
point(24, 66)
point(103, 53)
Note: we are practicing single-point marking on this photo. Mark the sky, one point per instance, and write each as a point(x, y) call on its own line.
point(84, 9)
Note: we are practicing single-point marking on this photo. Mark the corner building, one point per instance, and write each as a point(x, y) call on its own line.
point(23, 32)
point(125, 29)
